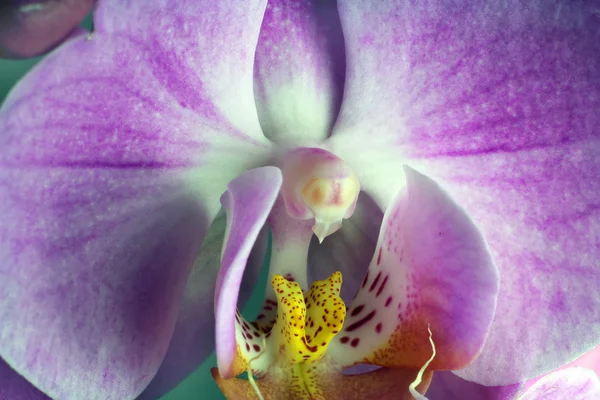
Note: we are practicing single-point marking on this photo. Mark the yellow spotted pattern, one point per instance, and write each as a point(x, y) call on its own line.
point(305, 326)
point(325, 313)
point(288, 331)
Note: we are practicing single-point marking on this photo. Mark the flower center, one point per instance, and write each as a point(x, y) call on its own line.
point(305, 325)
point(317, 184)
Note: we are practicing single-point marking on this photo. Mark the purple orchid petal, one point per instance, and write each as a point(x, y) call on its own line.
point(14, 387)
point(94, 262)
point(572, 383)
point(202, 52)
point(349, 250)
point(110, 172)
point(498, 102)
point(447, 386)
point(247, 202)
point(32, 27)
point(193, 338)
point(299, 70)
point(431, 268)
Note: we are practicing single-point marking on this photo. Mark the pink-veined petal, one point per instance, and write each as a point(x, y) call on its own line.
point(498, 102)
point(29, 28)
point(111, 165)
point(431, 267)
point(247, 202)
point(203, 51)
point(93, 269)
point(299, 70)
point(575, 383)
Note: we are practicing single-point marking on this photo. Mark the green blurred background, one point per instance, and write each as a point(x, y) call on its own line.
point(200, 384)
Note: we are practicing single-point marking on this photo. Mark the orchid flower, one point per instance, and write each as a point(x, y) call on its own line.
point(472, 126)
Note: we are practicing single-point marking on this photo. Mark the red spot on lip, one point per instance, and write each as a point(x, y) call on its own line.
point(382, 286)
point(361, 322)
point(366, 279)
point(375, 282)
point(247, 347)
point(354, 342)
point(379, 256)
point(388, 301)
point(378, 328)
point(345, 339)
point(256, 347)
point(357, 310)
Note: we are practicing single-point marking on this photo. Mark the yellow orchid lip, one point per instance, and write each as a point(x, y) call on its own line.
point(294, 349)
point(306, 324)
point(291, 351)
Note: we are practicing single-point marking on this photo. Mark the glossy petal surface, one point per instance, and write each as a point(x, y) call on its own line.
point(247, 202)
point(498, 102)
point(32, 27)
point(572, 383)
point(14, 387)
point(107, 186)
point(299, 70)
point(431, 267)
